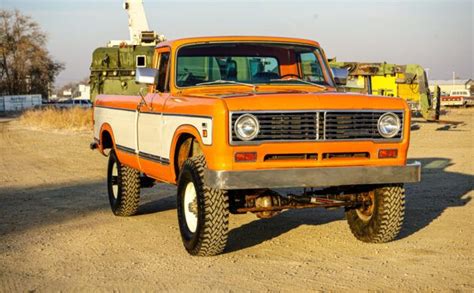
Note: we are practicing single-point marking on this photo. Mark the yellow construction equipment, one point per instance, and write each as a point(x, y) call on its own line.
point(405, 81)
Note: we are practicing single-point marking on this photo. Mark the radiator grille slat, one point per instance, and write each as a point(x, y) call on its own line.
point(354, 125)
point(316, 125)
point(283, 126)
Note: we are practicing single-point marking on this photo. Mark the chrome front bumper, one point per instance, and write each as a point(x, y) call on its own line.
point(313, 177)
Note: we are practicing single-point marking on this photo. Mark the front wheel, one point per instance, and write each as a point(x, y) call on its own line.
point(203, 212)
point(382, 220)
point(123, 184)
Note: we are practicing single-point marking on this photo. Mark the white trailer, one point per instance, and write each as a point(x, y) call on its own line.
point(19, 102)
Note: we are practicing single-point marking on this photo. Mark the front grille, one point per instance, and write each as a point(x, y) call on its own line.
point(354, 125)
point(283, 126)
point(316, 126)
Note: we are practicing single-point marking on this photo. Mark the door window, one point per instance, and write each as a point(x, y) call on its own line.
point(163, 69)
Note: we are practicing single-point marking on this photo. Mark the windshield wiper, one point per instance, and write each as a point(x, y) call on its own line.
point(300, 80)
point(221, 81)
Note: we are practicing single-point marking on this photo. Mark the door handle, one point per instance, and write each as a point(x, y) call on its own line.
point(142, 101)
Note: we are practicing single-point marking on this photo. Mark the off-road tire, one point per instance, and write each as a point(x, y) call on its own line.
point(386, 219)
point(125, 202)
point(210, 236)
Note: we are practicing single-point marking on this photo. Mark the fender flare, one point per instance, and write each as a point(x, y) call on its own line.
point(183, 129)
point(108, 128)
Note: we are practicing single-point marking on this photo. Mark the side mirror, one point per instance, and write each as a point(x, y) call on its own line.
point(340, 75)
point(146, 76)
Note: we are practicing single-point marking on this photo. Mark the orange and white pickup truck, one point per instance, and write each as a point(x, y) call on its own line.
point(254, 124)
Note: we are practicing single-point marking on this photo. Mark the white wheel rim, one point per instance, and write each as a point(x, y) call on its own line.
point(190, 207)
point(363, 217)
point(367, 213)
point(115, 180)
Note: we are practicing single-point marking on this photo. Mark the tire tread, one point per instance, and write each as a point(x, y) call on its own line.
point(387, 220)
point(213, 235)
point(130, 201)
point(128, 197)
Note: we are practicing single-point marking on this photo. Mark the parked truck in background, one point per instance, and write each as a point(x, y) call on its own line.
point(458, 98)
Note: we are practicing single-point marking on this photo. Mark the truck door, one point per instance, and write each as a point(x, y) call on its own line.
point(150, 119)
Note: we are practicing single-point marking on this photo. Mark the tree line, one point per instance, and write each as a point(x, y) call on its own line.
point(26, 66)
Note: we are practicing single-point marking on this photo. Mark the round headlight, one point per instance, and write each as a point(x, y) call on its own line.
point(246, 127)
point(388, 125)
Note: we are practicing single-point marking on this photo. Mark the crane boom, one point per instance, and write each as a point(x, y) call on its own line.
point(140, 33)
point(137, 21)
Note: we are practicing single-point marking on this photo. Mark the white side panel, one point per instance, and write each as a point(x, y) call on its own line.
point(150, 133)
point(155, 131)
point(122, 123)
point(171, 123)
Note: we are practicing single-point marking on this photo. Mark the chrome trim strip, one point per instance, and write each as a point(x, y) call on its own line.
point(317, 125)
point(154, 158)
point(145, 156)
point(324, 126)
point(125, 149)
point(313, 177)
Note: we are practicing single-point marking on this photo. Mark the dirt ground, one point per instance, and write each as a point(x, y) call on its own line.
point(57, 232)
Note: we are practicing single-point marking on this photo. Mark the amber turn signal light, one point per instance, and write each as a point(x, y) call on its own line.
point(388, 153)
point(245, 157)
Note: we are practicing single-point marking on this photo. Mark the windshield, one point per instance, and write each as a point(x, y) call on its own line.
point(251, 64)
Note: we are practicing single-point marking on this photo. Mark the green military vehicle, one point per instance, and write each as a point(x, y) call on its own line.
point(114, 66)
point(113, 69)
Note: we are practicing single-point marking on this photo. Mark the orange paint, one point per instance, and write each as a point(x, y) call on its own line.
point(217, 101)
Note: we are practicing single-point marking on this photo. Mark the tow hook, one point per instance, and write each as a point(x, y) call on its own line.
point(93, 145)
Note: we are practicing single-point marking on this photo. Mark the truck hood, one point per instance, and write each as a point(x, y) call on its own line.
point(276, 101)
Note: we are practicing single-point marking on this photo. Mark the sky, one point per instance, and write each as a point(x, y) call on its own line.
point(436, 34)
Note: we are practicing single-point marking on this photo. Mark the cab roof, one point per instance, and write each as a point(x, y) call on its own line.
point(185, 41)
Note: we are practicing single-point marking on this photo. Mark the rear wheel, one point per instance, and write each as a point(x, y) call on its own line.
point(123, 184)
point(203, 212)
point(382, 220)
